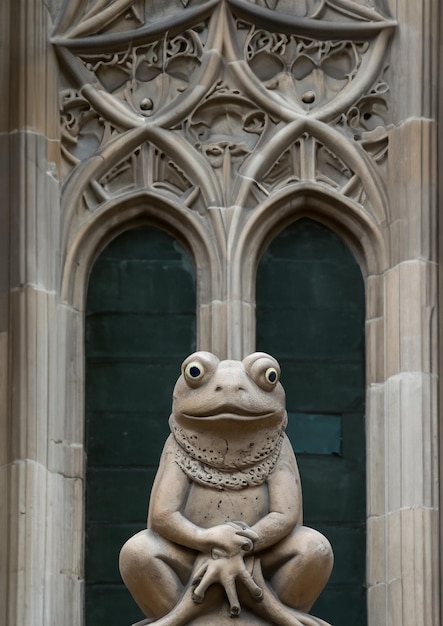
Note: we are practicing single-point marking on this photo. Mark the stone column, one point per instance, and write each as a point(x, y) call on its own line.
point(34, 590)
point(403, 514)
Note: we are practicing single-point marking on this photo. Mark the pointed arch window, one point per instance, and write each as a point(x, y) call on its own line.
point(140, 323)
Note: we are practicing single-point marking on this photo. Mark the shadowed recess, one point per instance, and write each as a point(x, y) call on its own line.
point(140, 324)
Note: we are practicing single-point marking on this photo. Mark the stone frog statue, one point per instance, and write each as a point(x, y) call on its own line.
point(225, 532)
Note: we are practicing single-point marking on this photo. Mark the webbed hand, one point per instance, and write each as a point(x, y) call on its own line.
point(225, 570)
point(231, 538)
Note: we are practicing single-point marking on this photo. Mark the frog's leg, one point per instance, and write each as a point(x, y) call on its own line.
point(271, 608)
point(155, 571)
point(298, 567)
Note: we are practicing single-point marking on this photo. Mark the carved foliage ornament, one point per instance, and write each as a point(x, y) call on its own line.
point(222, 103)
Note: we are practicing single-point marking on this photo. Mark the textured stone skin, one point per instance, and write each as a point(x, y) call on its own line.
point(225, 519)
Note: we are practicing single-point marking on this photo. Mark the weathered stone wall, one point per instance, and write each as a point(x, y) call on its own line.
point(87, 153)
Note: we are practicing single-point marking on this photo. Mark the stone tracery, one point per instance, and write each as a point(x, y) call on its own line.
point(218, 85)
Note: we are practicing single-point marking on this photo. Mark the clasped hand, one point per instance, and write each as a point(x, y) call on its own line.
point(226, 564)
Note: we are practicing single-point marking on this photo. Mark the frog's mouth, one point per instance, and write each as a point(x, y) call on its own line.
point(232, 411)
point(228, 419)
point(229, 415)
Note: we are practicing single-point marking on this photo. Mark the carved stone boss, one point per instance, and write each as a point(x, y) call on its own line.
point(225, 532)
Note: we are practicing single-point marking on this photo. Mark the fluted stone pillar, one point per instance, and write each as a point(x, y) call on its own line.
point(41, 495)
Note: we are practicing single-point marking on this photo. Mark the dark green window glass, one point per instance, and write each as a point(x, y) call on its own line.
point(140, 325)
point(310, 316)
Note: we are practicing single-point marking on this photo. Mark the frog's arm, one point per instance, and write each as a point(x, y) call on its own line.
point(285, 501)
point(165, 516)
point(168, 497)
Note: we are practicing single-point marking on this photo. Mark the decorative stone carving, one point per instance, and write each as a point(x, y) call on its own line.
point(229, 99)
point(225, 532)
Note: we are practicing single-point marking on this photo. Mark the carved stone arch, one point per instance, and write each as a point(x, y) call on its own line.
point(347, 218)
point(125, 212)
point(89, 173)
point(360, 170)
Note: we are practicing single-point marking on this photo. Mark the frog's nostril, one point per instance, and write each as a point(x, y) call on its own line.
point(229, 388)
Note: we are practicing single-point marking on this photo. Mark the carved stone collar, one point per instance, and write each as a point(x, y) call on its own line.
point(214, 466)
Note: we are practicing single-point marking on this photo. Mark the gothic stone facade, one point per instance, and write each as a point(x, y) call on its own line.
point(221, 121)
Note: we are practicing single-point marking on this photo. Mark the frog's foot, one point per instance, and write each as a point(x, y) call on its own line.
point(272, 609)
point(187, 609)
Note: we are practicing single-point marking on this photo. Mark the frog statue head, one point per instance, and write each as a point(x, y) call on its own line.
point(229, 416)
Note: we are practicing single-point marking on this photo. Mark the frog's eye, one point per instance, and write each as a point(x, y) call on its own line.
point(198, 367)
point(263, 369)
point(194, 371)
point(271, 375)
